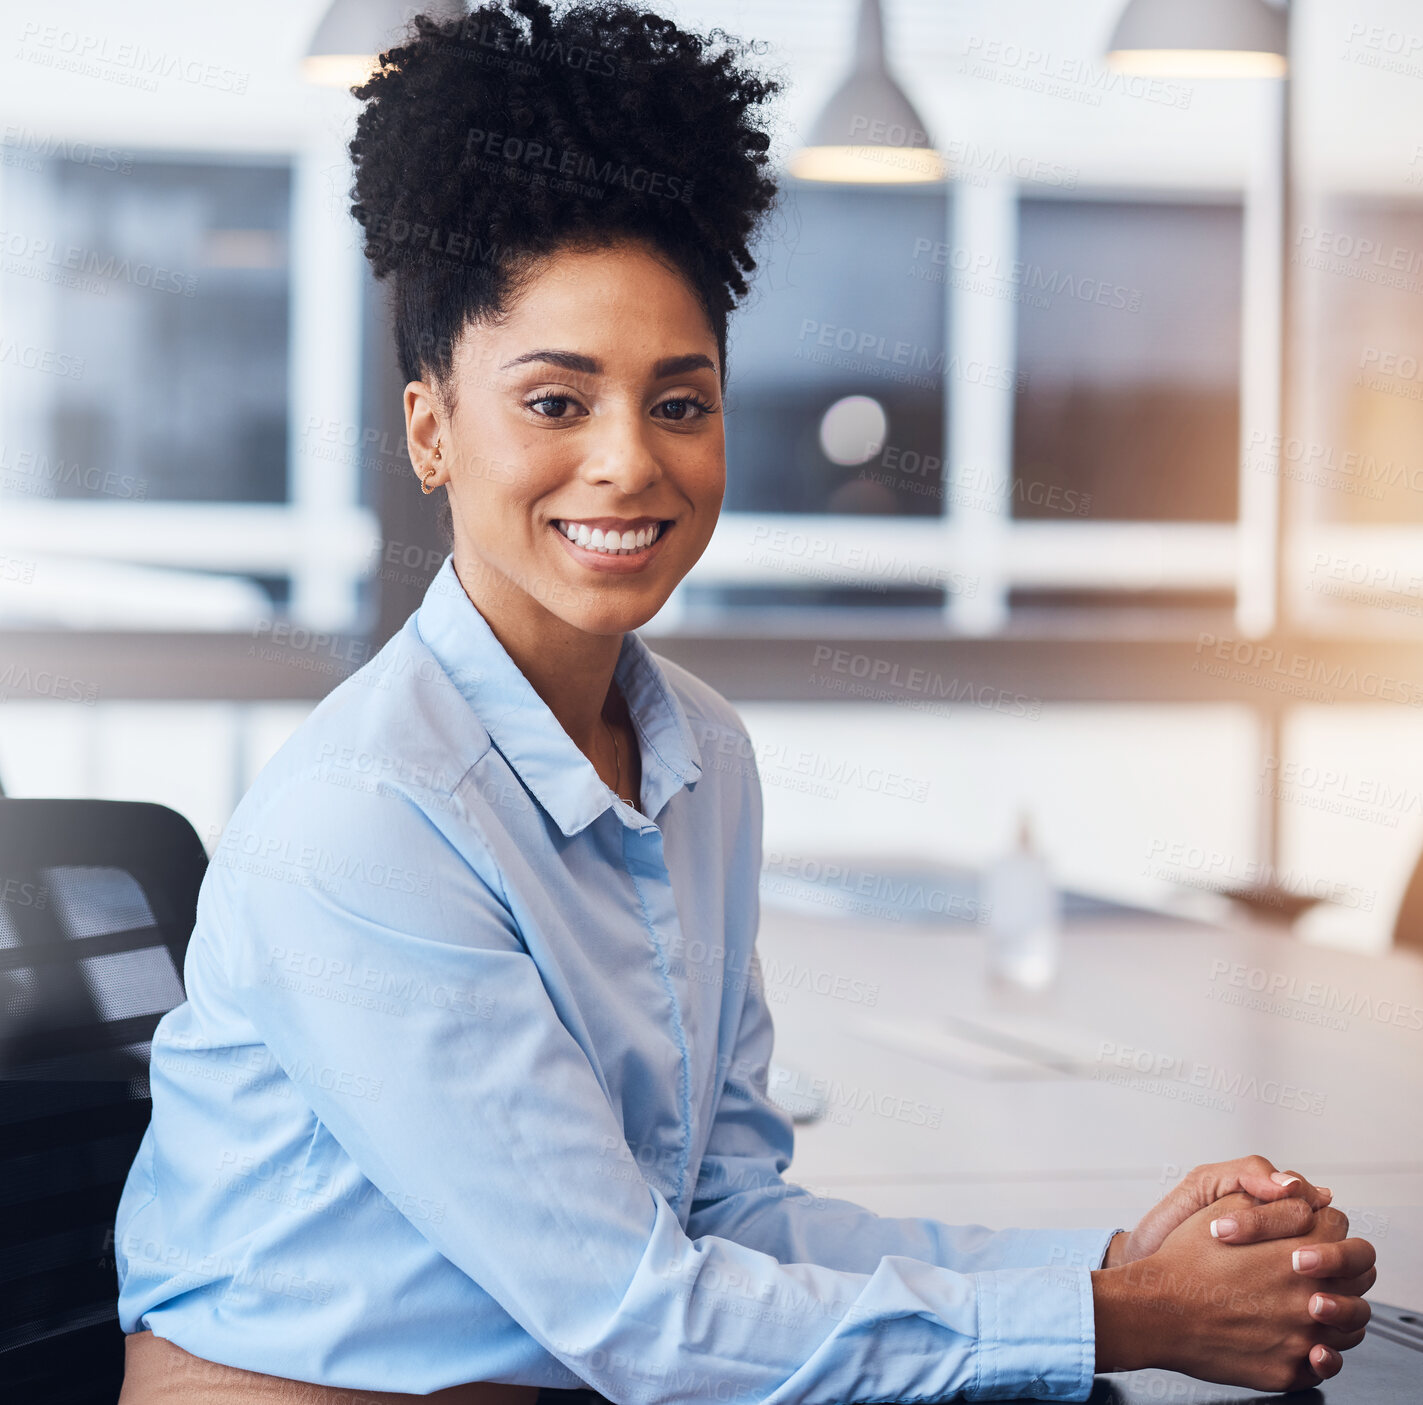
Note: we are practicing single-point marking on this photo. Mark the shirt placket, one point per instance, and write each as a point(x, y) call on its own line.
point(646, 865)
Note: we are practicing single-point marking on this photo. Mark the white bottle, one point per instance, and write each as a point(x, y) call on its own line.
point(1024, 915)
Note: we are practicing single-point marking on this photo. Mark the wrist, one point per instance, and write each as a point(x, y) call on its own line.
point(1123, 1300)
point(1116, 1254)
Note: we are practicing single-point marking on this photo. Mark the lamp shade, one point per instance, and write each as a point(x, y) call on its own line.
point(868, 131)
point(1201, 39)
point(353, 33)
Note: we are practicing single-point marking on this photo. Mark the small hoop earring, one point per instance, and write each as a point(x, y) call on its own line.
point(425, 481)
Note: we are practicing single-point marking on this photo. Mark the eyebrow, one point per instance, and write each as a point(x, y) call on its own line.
point(590, 365)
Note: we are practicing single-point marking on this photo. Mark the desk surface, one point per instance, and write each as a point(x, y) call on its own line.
point(950, 1098)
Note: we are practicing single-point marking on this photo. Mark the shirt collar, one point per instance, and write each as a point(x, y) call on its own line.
point(530, 737)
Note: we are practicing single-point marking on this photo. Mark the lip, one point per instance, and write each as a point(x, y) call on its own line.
point(614, 565)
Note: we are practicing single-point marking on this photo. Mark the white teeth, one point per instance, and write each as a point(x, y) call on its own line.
point(610, 543)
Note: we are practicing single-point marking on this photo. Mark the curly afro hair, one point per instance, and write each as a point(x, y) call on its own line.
point(492, 140)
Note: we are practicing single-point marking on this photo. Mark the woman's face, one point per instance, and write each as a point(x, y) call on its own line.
point(593, 410)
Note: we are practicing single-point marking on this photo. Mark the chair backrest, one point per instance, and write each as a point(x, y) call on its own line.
point(97, 902)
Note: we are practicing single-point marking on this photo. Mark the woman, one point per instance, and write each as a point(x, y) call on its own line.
point(468, 1096)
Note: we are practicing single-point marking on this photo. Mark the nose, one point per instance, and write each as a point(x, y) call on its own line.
point(621, 453)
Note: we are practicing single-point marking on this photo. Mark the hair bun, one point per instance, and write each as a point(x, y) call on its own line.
point(519, 128)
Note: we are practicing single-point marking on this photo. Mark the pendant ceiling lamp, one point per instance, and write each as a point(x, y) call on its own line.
point(1201, 39)
point(868, 131)
point(353, 33)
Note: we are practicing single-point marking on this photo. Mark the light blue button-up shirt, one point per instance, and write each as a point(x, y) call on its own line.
point(470, 1081)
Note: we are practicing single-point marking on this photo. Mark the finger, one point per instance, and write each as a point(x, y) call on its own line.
point(1264, 1182)
point(1324, 1361)
point(1344, 1259)
point(1341, 1341)
point(1285, 1219)
point(1335, 1310)
point(1354, 1287)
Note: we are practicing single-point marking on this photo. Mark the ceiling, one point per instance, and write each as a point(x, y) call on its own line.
point(963, 62)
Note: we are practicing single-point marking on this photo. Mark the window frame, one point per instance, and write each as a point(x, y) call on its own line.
point(322, 537)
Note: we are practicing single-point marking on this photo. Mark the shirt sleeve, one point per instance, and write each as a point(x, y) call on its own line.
point(741, 1193)
point(479, 1096)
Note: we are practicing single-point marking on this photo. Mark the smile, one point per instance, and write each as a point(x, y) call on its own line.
point(606, 539)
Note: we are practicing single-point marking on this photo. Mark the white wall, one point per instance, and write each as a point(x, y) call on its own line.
point(1144, 804)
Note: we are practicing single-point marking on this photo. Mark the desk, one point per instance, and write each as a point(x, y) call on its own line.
point(1038, 1121)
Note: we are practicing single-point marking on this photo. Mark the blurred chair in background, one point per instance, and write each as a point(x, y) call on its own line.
point(97, 902)
point(1408, 925)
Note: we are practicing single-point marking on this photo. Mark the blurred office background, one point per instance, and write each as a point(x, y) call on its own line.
point(1010, 512)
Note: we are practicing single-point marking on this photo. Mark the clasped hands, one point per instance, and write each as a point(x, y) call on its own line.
point(1241, 1275)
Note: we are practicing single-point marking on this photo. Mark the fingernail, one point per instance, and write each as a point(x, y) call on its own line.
point(1324, 1190)
point(1320, 1306)
point(1305, 1259)
point(1225, 1226)
point(1283, 1178)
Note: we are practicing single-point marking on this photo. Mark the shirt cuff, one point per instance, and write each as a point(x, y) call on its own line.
point(1037, 1331)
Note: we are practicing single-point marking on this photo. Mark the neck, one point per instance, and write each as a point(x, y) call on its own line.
point(570, 669)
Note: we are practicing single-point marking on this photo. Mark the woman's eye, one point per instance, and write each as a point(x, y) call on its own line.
point(561, 402)
point(685, 407)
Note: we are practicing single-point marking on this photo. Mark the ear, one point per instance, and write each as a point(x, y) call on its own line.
point(424, 430)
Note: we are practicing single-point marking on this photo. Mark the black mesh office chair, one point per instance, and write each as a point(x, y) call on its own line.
point(97, 902)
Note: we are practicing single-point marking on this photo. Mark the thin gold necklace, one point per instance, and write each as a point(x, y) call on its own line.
point(618, 757)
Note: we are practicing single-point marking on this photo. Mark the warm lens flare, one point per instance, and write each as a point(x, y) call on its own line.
point(867, 165)
point(1198, 63)
point(338, 70)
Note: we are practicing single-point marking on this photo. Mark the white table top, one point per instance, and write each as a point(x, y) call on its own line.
point(1039, 1124)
